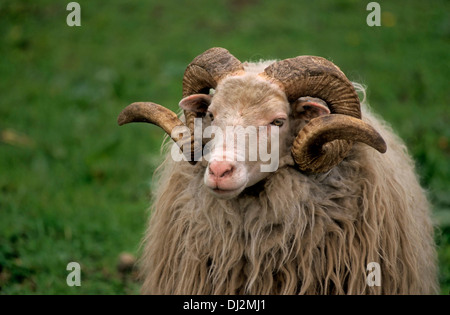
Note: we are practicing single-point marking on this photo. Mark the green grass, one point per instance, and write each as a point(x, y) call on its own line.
point(75, 187)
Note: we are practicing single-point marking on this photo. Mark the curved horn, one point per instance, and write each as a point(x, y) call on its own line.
point(205, 72)
point(318, 77)
point(207, 69)
point(326, 140)
point(151, 113)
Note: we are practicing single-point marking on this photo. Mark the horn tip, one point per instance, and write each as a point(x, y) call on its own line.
point(126, 116)
point(122, 119)
point(381, 147)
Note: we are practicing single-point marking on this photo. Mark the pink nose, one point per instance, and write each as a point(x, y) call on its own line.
point(220, 169)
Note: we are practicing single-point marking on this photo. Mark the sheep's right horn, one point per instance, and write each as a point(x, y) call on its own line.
point(151, 113)
point(207, 69)
point(205, 72)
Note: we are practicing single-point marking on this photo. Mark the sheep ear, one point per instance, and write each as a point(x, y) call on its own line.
point(308, 108)
point(196, 103)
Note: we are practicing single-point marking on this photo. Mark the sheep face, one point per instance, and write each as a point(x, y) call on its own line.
point(240, 106)
point(250, 108)
point(258, 95)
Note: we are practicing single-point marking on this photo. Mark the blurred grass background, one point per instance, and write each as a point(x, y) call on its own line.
point(75, 187)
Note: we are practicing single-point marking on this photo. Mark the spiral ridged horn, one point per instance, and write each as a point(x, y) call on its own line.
point(324, 141)
point(202, 74)
point(205, 72)
point(152, 113)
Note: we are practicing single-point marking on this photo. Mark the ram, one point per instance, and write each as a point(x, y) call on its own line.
point(344, 193)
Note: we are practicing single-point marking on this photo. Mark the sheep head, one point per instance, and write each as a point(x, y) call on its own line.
point(307, 94)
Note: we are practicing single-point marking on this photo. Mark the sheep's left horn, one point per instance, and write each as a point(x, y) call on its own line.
point(151, 113)
point(316, 77)
point(319, 147)
point(323, 142)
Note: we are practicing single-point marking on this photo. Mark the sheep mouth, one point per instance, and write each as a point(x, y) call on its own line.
point(226, 193)
point(220, 190)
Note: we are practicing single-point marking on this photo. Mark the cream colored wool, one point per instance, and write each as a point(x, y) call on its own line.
point(294, 233)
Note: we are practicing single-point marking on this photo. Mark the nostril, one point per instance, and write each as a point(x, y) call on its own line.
point(220, 169)
point(225, 174)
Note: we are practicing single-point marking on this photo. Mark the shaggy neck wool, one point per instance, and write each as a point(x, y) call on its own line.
point(293, 233)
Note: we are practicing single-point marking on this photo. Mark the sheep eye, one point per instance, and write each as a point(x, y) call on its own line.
point(211, 116)
point(277, 122)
